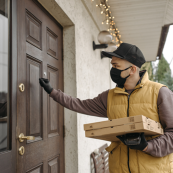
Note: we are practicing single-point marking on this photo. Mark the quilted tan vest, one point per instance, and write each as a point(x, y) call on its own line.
point(142, 101)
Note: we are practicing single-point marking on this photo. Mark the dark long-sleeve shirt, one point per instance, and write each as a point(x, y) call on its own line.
point(158, 147)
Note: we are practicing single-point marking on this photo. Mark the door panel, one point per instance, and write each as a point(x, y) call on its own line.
point(34, 99)
point(33, 30)
point(40, 55)
point(52, 43)
point(53, 165)
point(38, 169)
point(53, 107)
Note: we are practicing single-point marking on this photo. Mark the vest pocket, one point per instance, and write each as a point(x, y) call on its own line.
point(112, 146)
point(151, 164)
point(118, 159)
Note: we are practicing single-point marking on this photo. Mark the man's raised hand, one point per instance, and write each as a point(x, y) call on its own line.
point(46, 85)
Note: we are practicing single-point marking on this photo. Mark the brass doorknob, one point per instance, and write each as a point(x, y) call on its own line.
point(22, 137)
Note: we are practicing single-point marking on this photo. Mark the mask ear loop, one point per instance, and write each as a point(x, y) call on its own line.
point(129, 74)
point(126, 68)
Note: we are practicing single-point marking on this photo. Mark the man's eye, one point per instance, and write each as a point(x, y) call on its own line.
point(114, 65)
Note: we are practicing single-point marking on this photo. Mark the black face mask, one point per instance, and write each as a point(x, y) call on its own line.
point(116, 76)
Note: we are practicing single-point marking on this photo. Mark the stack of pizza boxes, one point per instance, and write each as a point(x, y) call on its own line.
point(108, 130)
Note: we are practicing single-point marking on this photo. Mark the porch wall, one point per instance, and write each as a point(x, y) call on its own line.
point(85, 74)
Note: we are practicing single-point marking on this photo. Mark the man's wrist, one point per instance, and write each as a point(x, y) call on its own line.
point(51, 92)
point(145, 148)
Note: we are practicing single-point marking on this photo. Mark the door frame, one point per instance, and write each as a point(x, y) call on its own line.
point(8, 158)
point(13, 54)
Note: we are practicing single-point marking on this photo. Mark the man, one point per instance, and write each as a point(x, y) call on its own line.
point(134, 95)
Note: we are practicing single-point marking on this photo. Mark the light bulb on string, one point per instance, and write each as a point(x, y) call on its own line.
point(106, 9)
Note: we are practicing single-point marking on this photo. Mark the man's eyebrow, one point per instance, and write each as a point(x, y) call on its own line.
point(114, 63)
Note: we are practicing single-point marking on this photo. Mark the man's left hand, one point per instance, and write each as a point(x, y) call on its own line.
point(142, 146)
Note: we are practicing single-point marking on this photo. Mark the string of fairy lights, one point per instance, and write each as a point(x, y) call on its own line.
point(109, 20)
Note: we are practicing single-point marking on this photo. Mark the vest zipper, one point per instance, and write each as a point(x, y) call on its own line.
point(128, 106)
point(127, 146)
point(128, 116)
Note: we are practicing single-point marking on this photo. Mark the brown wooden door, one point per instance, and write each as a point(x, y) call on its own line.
point(39, 55)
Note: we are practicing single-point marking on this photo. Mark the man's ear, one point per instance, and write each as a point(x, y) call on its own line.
point(133, 70)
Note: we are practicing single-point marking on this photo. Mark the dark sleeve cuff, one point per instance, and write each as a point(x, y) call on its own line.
point(52, 94)
point(149, 148)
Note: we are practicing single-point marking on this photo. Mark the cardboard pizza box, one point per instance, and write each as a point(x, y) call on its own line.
point(137, 124)
point(117, 122)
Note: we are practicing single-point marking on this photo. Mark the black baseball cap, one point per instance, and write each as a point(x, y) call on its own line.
point(128, 52)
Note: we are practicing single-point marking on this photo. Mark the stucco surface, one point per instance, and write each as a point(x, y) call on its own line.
point(85, 74)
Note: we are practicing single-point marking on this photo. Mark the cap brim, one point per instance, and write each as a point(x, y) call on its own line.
point(111, 54)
